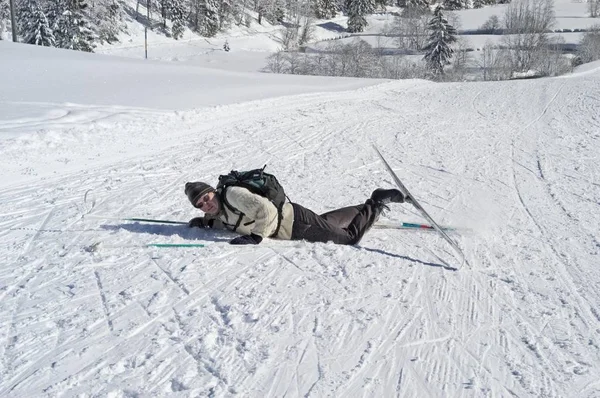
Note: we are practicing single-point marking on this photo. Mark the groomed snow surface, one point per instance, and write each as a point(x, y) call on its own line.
point(86, 310)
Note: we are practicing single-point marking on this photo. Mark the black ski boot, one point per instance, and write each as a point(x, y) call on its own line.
point(386, 196)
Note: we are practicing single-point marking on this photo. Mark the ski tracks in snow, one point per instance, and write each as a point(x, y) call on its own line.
point(564, 279)
point(384, 318)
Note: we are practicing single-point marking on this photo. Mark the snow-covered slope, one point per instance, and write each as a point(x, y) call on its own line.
point(41, 74)
point(515, 162)
point(46, 93)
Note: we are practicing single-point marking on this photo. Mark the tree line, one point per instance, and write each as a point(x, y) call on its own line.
point(526, 46)
point(525, 49)
point(81, 24)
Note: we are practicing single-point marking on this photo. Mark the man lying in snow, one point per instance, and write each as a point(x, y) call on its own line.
point(255, 217)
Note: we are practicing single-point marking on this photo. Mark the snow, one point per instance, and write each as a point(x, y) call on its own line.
point(590, 67)
point(87, 310)
point(38, 128)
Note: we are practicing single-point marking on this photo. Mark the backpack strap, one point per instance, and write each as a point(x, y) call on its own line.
point(279, 219)
point(241, 215)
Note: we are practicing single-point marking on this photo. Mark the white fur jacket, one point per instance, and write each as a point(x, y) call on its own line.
point(260, 215)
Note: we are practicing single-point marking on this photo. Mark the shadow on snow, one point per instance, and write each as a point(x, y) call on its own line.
point(182, 231)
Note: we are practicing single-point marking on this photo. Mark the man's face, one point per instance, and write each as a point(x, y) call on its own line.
point(209, 203)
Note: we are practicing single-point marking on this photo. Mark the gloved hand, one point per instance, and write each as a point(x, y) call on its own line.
point(251, 239)
point(197, 222)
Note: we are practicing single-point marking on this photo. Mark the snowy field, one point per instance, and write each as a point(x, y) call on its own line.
point(250, 46)
point(516, 162)
point(569, 17)
point(87, 310)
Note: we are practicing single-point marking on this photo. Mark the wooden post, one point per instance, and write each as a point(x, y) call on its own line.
point(146, 28)
point(13, 21)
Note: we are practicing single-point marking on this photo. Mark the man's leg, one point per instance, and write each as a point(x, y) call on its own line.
point(342, 217)
point(310, 226)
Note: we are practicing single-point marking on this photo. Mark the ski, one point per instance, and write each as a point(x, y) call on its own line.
point(381, 225)
point(412, 226)
point(420, 208)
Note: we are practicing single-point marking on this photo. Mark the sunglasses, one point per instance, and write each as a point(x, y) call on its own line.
point(202, 201)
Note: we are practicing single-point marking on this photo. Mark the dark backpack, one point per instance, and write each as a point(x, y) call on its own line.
point(257, 182)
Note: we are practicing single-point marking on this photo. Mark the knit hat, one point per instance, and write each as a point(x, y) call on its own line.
point(195, 190)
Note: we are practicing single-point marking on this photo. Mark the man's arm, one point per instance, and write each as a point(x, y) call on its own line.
point(206, 222)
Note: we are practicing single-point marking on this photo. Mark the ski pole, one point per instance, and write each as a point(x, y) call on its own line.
point(157, 221)
point(410, 226)
point(100, 245)
point(175, 245)
point(138, 220)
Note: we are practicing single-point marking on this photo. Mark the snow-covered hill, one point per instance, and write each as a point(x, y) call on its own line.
point(46, 93)
point(88, 310)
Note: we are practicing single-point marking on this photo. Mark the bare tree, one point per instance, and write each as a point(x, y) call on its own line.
point(382, 40)
point(356, 59)
point(491, 25)
point(362, 58)
point(411, 30)
point(318, 64)
point(399, 67)
point(461, 61)
point(594, 8)
point(291, 62)
point(331, 62)
point(454, 19)
point(488, 62)
point(494, 62)
point(276, 63)
point(527, 23)
point(294, 62)
point(289, 38)
point(551, 61)
point(306, 31)
point(589, 47)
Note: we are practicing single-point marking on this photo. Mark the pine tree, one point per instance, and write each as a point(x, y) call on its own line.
point(54, 11)
point(325, 9)
point(109, 20)
point(210, 23)
point(357, 10)
point(438, 51)
point(478, 3)
point(73, 28)
point(380, 4)
point(415, 8)
point(279, 11)
point(24, 14)
point(273, 10)
point(34, 26)
point(225, 13)
point(330, 7)
point(453, 4)
point(177, 13)
point(4, 16)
